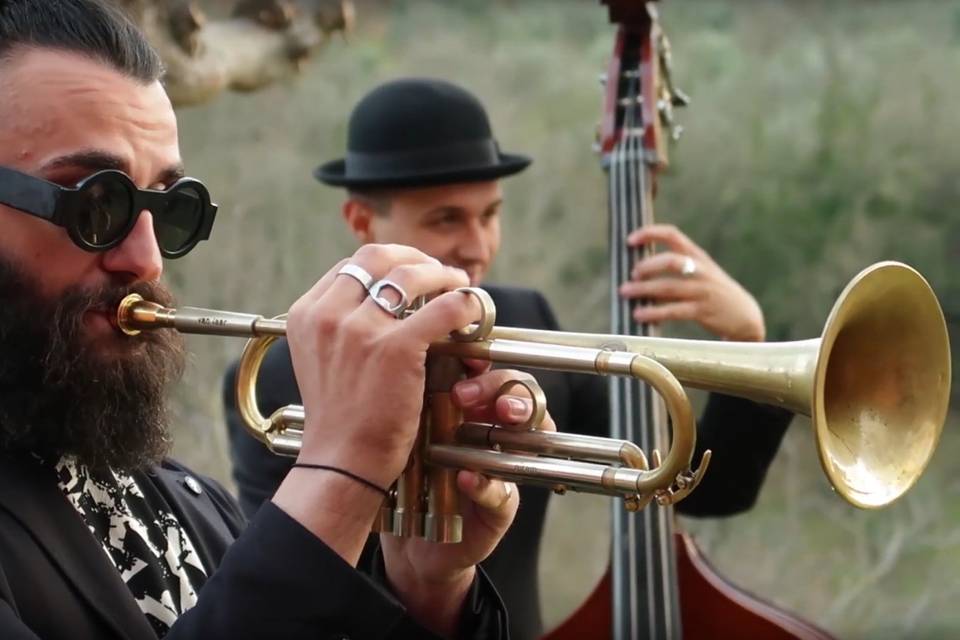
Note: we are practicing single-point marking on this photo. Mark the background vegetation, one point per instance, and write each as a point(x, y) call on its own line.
point(823, 136)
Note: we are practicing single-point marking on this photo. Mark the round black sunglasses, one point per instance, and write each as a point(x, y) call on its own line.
point(102, 209)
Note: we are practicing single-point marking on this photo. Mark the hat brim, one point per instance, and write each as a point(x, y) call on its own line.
point(334, 174)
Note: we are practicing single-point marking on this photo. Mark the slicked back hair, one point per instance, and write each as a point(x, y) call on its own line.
point(93, 28)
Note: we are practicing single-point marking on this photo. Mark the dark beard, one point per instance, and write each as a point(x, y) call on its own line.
point(63, 394)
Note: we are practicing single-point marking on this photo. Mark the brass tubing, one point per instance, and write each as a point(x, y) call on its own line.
point(281, 431)
point(543, 471)
point(136, 314)
point(246, 389)
point(564, 358)
point(553, 444)
point(778, 373)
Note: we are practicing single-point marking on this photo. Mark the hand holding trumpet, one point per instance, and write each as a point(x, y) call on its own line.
point(361, 374)
point(491, 504)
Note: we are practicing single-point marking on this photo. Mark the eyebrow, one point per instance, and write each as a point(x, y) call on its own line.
point(450, 208)
point(494, 205)
point(94, 160)
point(444, 208)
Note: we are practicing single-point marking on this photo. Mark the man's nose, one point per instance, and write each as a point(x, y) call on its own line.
point(137, 258)
point(476, 243)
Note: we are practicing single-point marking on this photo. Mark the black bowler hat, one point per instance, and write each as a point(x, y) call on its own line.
point(419, 132)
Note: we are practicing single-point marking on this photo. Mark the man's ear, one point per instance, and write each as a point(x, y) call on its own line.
point(359, 218)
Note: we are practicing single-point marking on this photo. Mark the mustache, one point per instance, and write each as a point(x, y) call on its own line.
point(67, 319)
point(107, 298)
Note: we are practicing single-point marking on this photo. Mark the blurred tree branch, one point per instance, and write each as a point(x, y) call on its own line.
point(261, 41)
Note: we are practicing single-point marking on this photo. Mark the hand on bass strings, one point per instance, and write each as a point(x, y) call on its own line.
point(685, 283)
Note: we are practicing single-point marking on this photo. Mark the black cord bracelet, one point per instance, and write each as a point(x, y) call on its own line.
point(352, 476)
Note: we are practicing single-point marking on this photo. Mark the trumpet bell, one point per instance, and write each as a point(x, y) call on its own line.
point(876, 383)
point(881, 384)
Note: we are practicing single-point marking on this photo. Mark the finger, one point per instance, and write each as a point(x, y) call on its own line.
point(483, 401)
point(475, 367)
point(507, 410)
point(665, 312)
point(512, 410)
point(666, 234)
point(439, 318)
point(661, 289)
point(481, 390)
point(377, 260)
point(666, 263)
point(491, 495)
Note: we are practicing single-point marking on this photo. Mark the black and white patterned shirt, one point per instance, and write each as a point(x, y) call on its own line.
point(141, 537)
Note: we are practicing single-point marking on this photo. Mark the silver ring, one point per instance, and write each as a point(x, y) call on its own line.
point(357, 273)
point(689, 268)
point(396, 309)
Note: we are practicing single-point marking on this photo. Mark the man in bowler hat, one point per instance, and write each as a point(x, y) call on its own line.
point(422, 168)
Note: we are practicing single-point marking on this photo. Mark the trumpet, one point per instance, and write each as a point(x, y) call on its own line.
point(875, 384)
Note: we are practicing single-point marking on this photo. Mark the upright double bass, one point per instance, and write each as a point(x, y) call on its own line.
point(658, 586)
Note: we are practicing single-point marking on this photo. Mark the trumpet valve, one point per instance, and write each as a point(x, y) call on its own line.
point(445, 528)
point(383, 523)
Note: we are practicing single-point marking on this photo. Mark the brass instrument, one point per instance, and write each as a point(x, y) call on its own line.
point(876, 385)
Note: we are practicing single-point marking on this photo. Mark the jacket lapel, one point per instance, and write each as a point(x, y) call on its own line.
point(30, 493)
point(197, 514)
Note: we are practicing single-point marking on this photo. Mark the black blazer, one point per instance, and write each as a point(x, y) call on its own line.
point(277, 580)
point(743, 435)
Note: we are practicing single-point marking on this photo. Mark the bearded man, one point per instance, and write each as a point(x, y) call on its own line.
point(101, 535)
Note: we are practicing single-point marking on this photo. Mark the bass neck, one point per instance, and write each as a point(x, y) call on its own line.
point(644, 585)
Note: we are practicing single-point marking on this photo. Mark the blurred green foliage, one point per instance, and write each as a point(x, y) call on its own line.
point(822, 137)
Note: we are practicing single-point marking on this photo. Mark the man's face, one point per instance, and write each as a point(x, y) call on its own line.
point(70, 384)
point(62, 118)
point(457, 224)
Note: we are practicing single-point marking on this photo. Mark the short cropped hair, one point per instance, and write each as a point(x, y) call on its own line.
point(93, 28)
point(379, 200)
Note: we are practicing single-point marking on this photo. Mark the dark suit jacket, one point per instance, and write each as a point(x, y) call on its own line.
point(276, 581)
point(743, 435)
